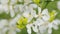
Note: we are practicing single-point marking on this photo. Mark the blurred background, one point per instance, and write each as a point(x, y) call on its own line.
point(49, 4)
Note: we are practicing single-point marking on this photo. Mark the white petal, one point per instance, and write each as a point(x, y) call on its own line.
point(29, 25)
point(16, 8)
point(42, 29)
point(29, 28)
point(56, 22)
point(29, 31)
point(29, 19)
point(40, 22)
point(50, 25)
point(55, 27)
point(35, 29)
point(45, 12)
point(39, 10)
point(33, 13)
point(49, 30)
point(45, 18)
point(12, 13)
point(26, 14)
point(33, 5)
point(21, 8)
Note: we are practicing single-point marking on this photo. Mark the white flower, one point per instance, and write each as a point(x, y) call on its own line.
point(38, 22)
point(43, 14)
point(47, 20)
point(44, 21)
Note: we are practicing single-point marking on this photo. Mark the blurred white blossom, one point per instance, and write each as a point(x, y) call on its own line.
point(25, 13)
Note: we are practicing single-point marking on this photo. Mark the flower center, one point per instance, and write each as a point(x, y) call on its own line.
point(52, 16)
point(22, 22)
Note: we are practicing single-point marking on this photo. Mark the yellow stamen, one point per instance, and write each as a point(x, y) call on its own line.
point(52, 16)
point(22, 22)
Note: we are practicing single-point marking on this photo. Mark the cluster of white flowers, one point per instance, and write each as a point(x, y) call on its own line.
point(41, 21)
